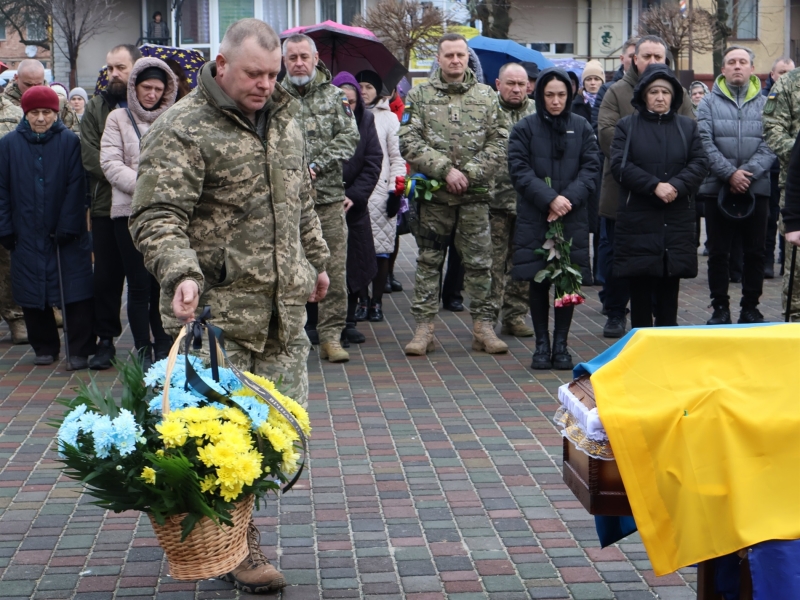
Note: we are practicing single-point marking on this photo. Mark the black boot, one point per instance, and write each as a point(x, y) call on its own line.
point(353, 335)
point(104, 355)
point(375, 312)
point(541, 355)
point(562, 359)
point(540, 312)
point(362, 309)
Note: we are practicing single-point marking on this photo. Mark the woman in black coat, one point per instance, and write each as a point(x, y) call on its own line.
point(658, 159)
point(556, 145)
point(361, 174)
point(42, 217)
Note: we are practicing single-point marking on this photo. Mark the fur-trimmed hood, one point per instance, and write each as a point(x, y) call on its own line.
point(170, 90)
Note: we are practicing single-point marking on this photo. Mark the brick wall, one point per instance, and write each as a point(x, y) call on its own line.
point(12, 51)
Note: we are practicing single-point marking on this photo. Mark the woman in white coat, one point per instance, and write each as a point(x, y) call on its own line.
point(384, 201)
point(151, 91)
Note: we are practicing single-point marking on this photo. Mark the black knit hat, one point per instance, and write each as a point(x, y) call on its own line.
point(372, 78)
point(151, 73)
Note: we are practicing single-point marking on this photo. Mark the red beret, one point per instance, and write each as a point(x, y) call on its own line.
point(39, 96)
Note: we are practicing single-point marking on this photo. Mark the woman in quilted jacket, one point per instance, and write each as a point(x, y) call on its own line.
point(152, 88)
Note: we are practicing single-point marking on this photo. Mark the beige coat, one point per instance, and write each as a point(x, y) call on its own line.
point(384, 229)
point(119, 147)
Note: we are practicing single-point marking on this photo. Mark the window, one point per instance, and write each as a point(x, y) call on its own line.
point(340, 11)
point(743, 19)
point(195, 22)
point(231, 11)
point(553, 48)
point(36, 31)
point(277, 14)
point(2, 29)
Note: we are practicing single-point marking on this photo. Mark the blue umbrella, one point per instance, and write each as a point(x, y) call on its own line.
point(495, 53)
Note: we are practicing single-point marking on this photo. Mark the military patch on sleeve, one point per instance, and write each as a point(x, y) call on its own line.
point(406, 114)
point(347, 110)
point(769, 106)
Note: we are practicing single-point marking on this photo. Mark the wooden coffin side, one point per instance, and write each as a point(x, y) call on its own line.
point(596, 483)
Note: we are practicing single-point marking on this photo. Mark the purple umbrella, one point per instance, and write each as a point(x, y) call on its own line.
point(352, 49)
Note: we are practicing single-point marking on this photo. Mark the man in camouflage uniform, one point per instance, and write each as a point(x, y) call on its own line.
point(510, 297)
point(781, 122)
point(30, 73)
point(10, 116)
point(453, 132)
point(331, 136)
point(224, 215)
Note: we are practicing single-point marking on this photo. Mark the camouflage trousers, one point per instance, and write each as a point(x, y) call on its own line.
point(794, 313)
point(289, 370)
point(9, 310)
point(333, 309)
point(473, 241)
point(509, 297)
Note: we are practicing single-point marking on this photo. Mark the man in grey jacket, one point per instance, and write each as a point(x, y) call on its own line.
point(729, 120)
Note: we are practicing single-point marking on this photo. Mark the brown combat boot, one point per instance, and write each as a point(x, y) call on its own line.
point(334, 352)
point(19, 332)
point(517, 328)
point(255, 574)
point(422, 342)
point(484, 339)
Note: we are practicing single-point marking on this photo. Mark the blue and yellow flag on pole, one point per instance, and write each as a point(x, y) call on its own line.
point(705, 427)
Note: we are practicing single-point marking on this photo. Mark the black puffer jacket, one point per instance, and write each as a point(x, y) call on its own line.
point(531, 159)
point(361, 174)
point(653, 238)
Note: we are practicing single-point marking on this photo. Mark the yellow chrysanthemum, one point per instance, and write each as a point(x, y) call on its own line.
point(234, 415)
point(159, 452)
point(290, 458)
point(173, 433)
point(230, 492)
point(208, 484)
point(297, 411)
point(149, 475)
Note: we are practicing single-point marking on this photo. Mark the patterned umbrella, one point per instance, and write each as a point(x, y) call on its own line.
point(352, 49)
point(189, 60)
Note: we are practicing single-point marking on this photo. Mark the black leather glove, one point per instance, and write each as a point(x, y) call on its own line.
point(62, 239)
point(392, 205)
point(9, 242)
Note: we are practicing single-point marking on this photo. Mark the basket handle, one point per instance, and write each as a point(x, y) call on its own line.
point(172, 358)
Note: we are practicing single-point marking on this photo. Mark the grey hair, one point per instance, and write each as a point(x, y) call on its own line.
point(349, 86)
point(298, 38)
point(653, 39)
point(782, 59)
point(245, 29)
point(730, 49)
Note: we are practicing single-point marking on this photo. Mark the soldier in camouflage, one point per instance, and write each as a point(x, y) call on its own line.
point(781, 122)
point(30, 73)
point(10, 116)
point(224, 215)
point(331, 136)
point(510, 297)
point(453, 131)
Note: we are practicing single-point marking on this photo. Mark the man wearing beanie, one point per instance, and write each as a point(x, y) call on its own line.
point(109, 274)
point(43, 225)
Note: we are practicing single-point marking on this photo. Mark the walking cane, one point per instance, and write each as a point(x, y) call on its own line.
point(64, 304)
point(791, 284)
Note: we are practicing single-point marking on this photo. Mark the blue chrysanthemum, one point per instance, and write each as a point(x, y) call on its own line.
point(103, 435)
point(178, 398)
point(125, 432)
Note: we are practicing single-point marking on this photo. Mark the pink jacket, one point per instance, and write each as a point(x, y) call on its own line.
point(119, 147)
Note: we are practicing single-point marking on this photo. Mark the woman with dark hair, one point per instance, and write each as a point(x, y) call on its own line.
point(360, 174)
point(384, 202)
point(151, 91)
point(157, 30)
point(553, 161)
point(658, 159)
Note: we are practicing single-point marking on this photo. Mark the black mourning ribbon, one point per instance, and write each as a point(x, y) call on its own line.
point(194, 338)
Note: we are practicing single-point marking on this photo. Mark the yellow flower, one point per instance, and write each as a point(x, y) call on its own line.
point(298, 412)
point(174, 433)
point(208, 484)
point(290, 459)
point(159, 452)
point(234, 415)
point(149, 475)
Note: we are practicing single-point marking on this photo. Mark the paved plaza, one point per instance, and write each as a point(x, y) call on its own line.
point(430, 478)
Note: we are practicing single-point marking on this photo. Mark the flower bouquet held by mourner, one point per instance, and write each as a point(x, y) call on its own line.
point(192, 446)
point(419, 187)
point(566, 277)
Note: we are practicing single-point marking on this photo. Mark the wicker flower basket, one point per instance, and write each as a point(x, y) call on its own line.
point(209, 550)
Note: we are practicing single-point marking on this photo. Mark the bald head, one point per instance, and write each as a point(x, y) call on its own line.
point(511, 83)
point(30, 73)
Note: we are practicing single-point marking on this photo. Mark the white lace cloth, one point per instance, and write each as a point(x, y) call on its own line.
point(587, 420)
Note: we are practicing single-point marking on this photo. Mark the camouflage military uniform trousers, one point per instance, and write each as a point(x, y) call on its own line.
point(794, 312)
point(509, 297)
point(473, 241)
point(333, 309)
point(288, 370)
point(9, 310)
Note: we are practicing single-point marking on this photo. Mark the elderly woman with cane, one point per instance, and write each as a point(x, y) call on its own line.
point(43, 224)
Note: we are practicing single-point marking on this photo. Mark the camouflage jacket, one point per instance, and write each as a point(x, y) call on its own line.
point(331, 134)
point(505, 196)
point(68, 115)
point(10, 116)
point(216, 204)
point(457, 125)
point(781, 119)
